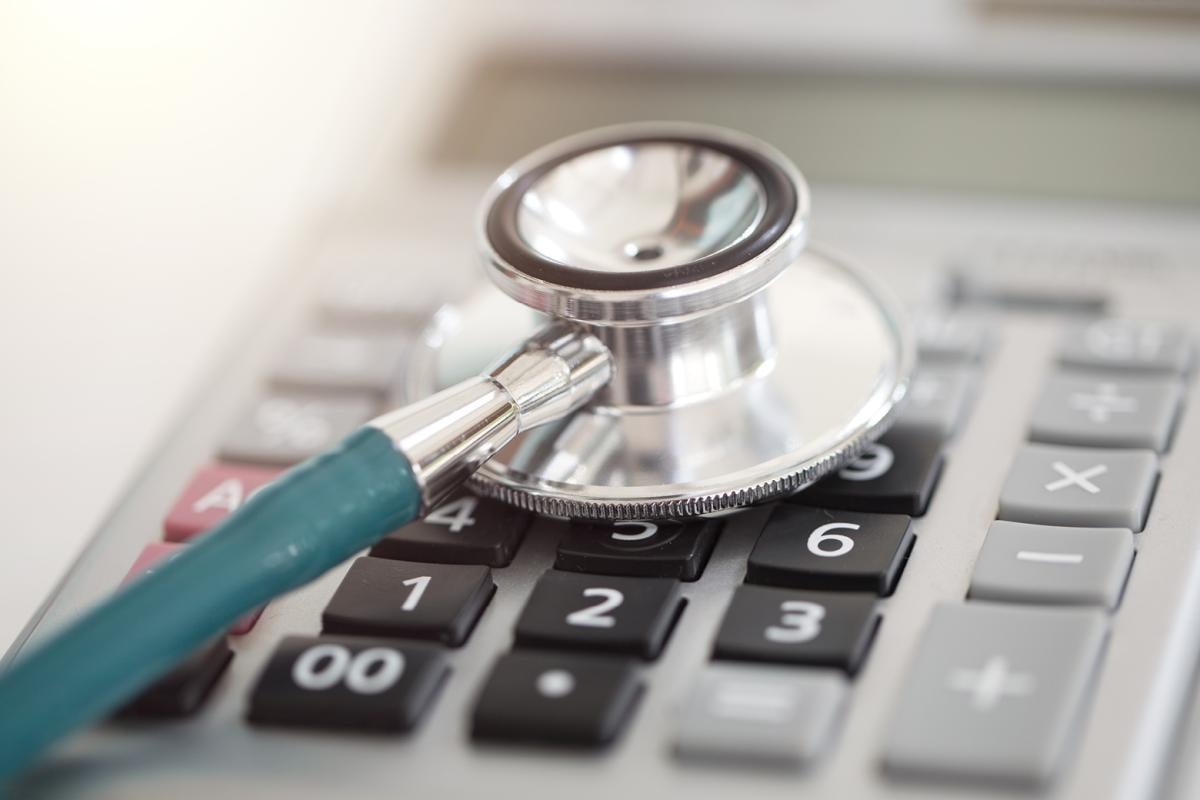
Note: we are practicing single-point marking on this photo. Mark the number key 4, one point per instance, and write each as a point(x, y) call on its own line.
point(620, 615)
point(818, 628)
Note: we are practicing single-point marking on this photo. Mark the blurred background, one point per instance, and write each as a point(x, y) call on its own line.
point(162, 164)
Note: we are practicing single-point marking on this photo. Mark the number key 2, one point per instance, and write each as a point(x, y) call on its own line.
point(829, 629)
point(811, 548)
point(465, 530)
point(347, 682)
point(620, 615)
point(380, 597)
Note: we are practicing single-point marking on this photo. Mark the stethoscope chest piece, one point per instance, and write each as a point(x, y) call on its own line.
point(745, 365)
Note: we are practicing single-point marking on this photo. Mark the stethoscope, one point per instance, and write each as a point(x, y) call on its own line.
point(683, 354)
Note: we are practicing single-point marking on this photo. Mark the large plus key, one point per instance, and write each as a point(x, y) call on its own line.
point(994, 693)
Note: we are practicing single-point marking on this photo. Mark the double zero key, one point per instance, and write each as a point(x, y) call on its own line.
point(347, 682)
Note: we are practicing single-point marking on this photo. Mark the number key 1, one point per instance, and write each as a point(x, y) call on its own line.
point(831, 629)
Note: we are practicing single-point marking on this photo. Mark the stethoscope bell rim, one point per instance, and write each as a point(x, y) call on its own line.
point(645, 295)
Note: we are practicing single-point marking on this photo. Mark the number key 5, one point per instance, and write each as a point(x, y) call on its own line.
point(819, 628)
point(620, 615)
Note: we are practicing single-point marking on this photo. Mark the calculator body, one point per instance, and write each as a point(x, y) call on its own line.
point(1027, 271)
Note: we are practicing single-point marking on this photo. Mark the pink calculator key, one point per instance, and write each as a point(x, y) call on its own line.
point(154, 553)
point(150, 556)
point(213, 493)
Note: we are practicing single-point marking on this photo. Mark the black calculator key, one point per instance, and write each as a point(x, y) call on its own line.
point(596, 612)
point(381, 597)
point(828, 629)
point(556, 699)
point(183, 690)
point(465, 530)
point(641, 549)
point(895, 475)
point(347, 682)
point(814, 548)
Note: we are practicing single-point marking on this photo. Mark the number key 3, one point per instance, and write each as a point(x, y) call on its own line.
point(620, 615)
point(819, 628)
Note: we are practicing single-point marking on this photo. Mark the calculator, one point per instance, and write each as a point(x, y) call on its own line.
point(997, 598)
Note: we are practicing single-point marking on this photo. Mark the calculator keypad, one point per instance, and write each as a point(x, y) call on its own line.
point(663, 549)
point(825, 629)
point(632, 616)
point(810, 548)
point(555, 699)
point(381, 597)
point(993, 676)
point(347, 682)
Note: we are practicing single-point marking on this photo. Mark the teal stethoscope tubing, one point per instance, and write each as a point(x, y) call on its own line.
point(312, 518)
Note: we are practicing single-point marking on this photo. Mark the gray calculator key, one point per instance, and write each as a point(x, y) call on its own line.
point(1107, 410)
point(342, 360)
point(951, 337)
point(937, 400)
point(288, 427)
point(1128, 345)
point(995, 693)
point(1022, 563)
point(1079, 487)
point(384, 282)
point(760, 715)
